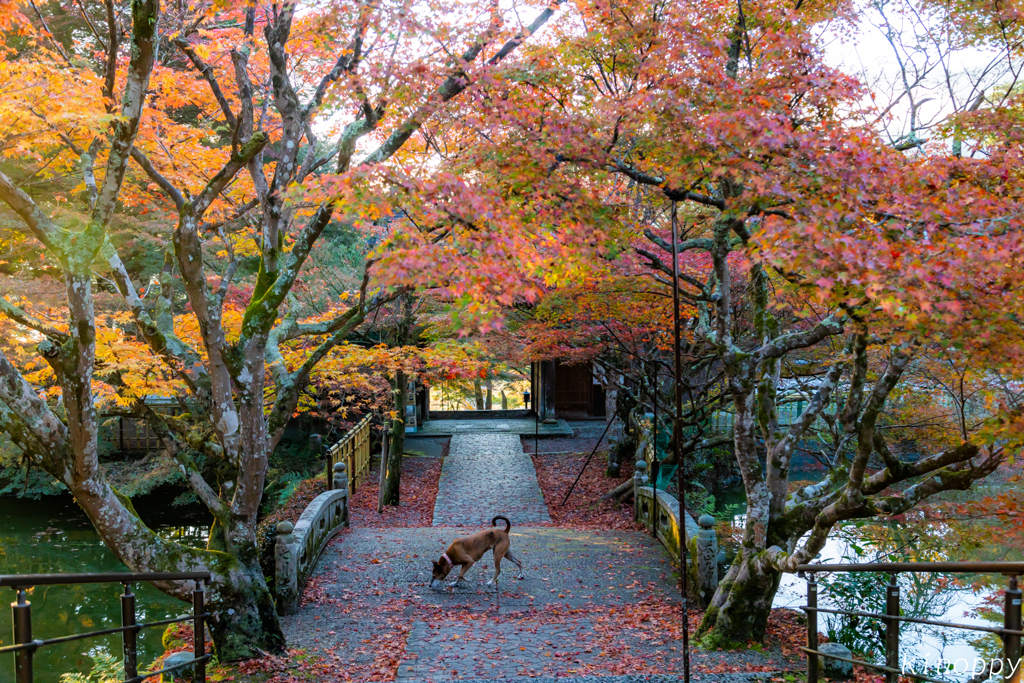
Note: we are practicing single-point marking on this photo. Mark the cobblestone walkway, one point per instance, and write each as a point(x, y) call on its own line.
point(486, 475)
point(370, 588)
point(368, 606)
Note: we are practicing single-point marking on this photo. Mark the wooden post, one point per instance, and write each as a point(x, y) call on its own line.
point(351, 461)
point(547, 391)
point(812, 629)
point(341, 484)
point(892, 629)
point(1012, 622)
point(330, 466)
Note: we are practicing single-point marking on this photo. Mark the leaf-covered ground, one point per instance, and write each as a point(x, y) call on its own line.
point(418, 493)
point(584, 509)
point(593, 640)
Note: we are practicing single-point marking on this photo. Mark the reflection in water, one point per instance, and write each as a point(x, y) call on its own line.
point(53, 536)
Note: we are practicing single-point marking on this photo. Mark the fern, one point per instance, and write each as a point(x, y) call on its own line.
point(106, 668)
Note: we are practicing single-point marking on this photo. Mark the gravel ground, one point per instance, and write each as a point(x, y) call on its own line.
point(487, 475)
point(592, 602)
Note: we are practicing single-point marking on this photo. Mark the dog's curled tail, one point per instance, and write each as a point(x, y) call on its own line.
point(508, 524)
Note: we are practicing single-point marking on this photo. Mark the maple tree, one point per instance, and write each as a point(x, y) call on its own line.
point(820, 260)
point(119, 107)
point(821, 263)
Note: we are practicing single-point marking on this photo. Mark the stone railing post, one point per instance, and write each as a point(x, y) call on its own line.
point(341, 484)
point(707, 559)
point(286, 569)
point(639, 479)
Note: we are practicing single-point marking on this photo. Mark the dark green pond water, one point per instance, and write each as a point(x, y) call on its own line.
point(53, 536)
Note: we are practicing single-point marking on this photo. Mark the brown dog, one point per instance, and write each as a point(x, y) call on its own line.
point(468, 550)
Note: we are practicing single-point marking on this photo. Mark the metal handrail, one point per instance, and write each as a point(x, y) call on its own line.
point(1011, 632)
point(879, 667)
point(30, 580)
point(1006, 568)
point(915, 620)
point(25, 646)
point(36, 644)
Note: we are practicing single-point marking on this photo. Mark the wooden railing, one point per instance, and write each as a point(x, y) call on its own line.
point(25, 645)
point(354, 451)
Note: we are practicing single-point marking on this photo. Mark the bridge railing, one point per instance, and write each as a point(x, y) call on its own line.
point(299, 545)
point(659, 512)
point(1010, 632)
point(354, 451)
point(25, 645)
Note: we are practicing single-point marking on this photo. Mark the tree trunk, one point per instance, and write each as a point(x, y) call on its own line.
point(393, 478)
point(622, 492)
point(489, 400)
point(385, 451)
point(247, 623)
point(740, 607)
point(504, 400)
point(247, 620)
point(478, 390)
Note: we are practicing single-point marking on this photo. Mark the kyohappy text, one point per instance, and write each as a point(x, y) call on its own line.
point(996, 668)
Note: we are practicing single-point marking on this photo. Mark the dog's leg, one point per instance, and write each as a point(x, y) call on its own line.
point(497, 571)
point(512, 558)
point(462, 574)
point(499, 550)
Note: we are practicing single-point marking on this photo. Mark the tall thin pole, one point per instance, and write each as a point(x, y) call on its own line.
point(655, 464)
point(679, 458)
point(573, 487)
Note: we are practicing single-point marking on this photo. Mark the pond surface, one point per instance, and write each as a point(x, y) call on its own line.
point(52, 536)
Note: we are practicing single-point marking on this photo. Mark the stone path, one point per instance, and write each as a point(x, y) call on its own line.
point(373, 579)
point(592, 602)
point(486, 475)
point(372, 590)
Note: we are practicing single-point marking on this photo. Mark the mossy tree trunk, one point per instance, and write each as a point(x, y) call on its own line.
point(741, 606)
point(396, 450)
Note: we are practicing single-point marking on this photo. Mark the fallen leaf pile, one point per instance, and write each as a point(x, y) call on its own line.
point(584, 509)
point(420, 478)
